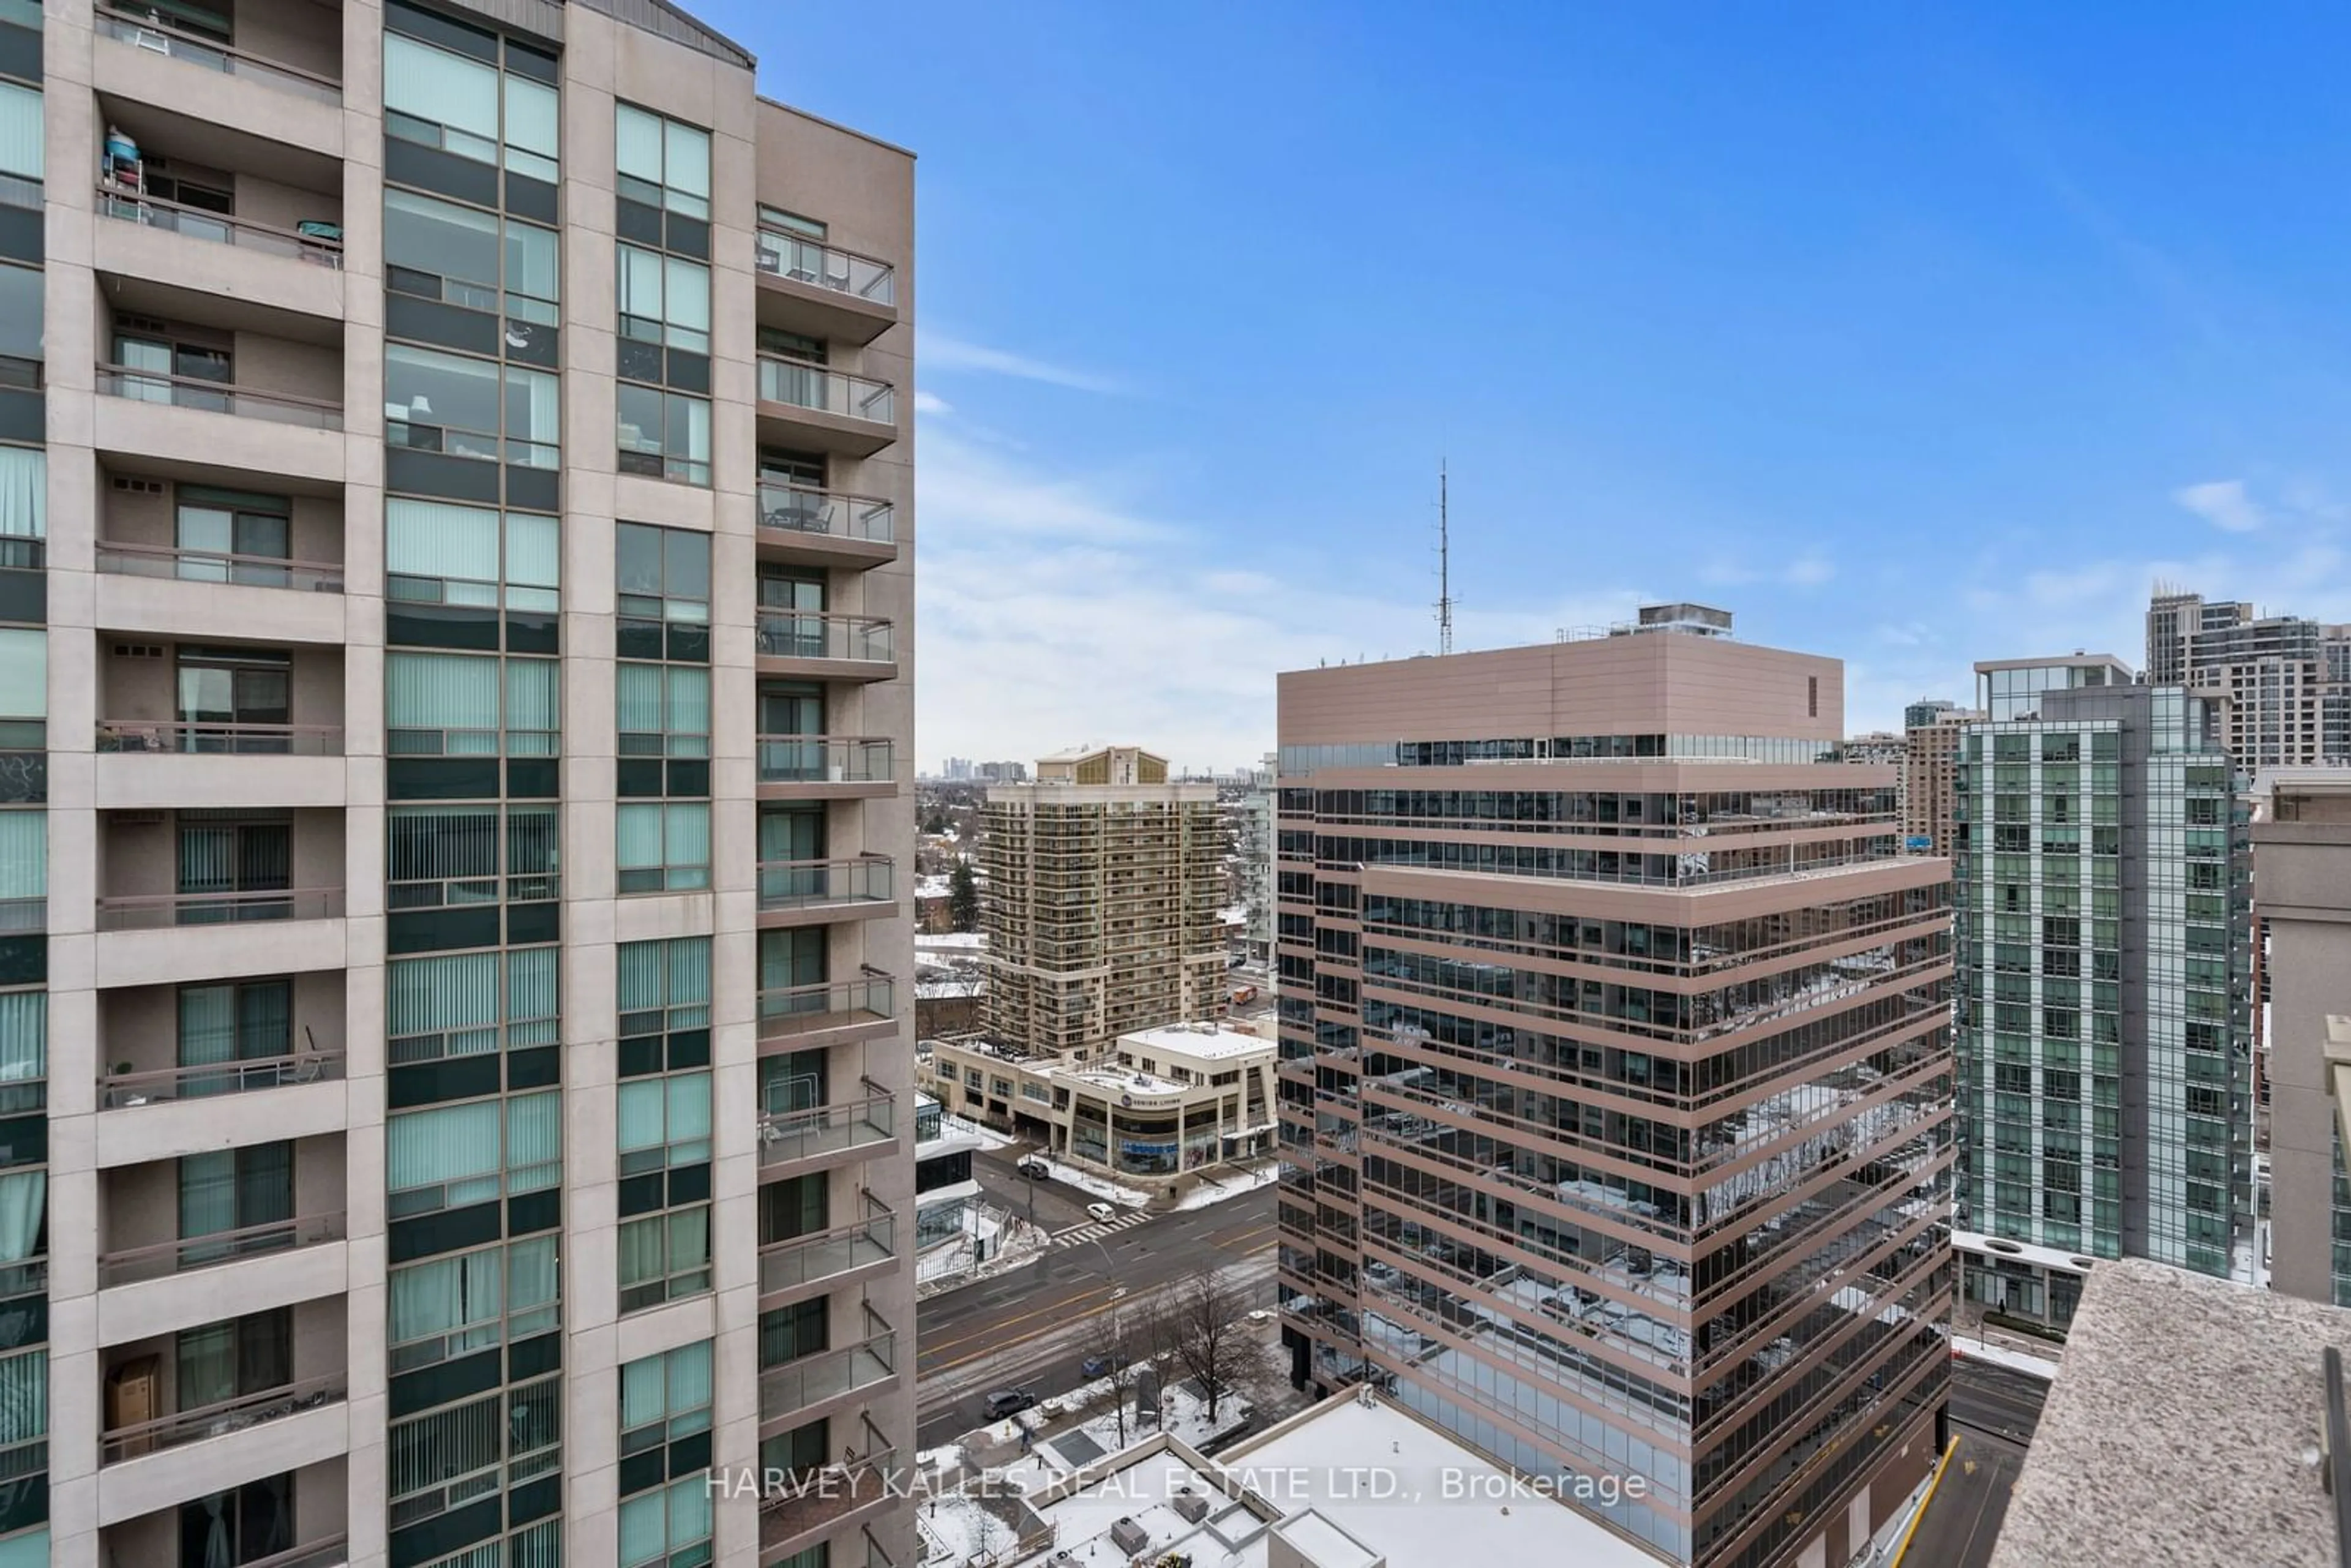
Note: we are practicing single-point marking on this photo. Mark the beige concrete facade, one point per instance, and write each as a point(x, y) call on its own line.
point(289, 120)
point(1927, 794)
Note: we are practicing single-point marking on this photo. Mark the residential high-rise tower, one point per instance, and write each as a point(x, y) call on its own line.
point(456, 499)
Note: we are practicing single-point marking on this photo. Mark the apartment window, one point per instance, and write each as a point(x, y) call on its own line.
point(467, 106)
point(454, 1156)
point(665, 1257)
point(254, 855)
point(790, 223)
point(23, 1053)
point(664, 1003)
point(663, 579)
point(246, 1020)
point(465, 407)
point(452, 1306)
point(662, 165)
point(791, 1332)
point(22, 353)
point(225, 1361)
point(179, 356)
point(437, 552)
point(663, 434)
point(664, 1122)
point(661, 846)
point(477, 1449)
point(234, 687)
point(459, 1004)
point(244, 1524)
point(469, 855)
point(471, 258)
point(212, 528)
point(460, 705)
point(24, 1416)
point(664, 711)
point(24, 136)
point(233, 1189)
point(665, 1398)
point(23, 1235)
point(665, 301)
point(23, 505)
point(669, 1528)
point(24, 688)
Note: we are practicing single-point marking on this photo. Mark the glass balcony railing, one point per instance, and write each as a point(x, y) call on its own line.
point(790, 510)
point(826, 1129)
point(155, 35)
point(120, 1090)
point(219, 1420)
point(826, 391)
point(825, 759)
point(218, 397)
point(797, 1009)
point(219, 566)
point(320, 243)
point(828, 1375)
point(151, 910)
point(806, 1260)
point(812, 1500)
point(126, 735)
point(809, 884)
point(164, 1259)
point(815, 634)
point(822, 266)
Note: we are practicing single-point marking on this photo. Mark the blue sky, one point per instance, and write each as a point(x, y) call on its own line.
point(1913, 334)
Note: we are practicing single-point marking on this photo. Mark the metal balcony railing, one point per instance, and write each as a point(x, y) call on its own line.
point(320, 244)
point(218, 397)
point(159, 38)
point(828, 1004)
point(790, 510)
point(825, 390)
point(818, 1499)
point(222, 1419)
point(822, 266)
point(118, 1091)
point(162, 1259)
point(826, 1129)
point(812, 884)
point(204, 737)
point(805, 1260)
point(828, 1375)
point(218, 566)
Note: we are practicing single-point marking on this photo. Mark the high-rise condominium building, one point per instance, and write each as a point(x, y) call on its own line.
point(2105, 973)
point(451, 479)
point(1615, 1081)
point(2302, 881)
point(2283, 683)
point(1104, 883)
point(1934, 738)
point(1925, 711)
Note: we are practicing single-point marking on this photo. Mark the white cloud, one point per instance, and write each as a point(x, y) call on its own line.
point(931, 404)
point(1809, 569)
point(2222, 502)
point(1808, 572)
point(935, 351)
point(1049, 610)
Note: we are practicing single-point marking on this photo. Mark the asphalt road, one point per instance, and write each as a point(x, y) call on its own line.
point(1031, 1327)
point(1993, 1414)
point(997, 1173)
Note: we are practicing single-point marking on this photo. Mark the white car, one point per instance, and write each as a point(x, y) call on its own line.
point(1102, 1211)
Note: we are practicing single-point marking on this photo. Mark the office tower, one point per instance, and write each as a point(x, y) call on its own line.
point(2105, 973)
point(1934, 736)
point(475, 591)
point(1103, 883)
point(2284, 683)
point(1615, 1079)
point(2302, 881)
point(1883, 748)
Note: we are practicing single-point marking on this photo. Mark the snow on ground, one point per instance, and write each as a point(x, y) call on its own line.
point(954, 1127)
point(1184, 1415)
point(955, 1530)
point(1010, 1242)
point(2001, 1356)
point(1100, 1186)
point(947, 1457)
point(1216, 1188)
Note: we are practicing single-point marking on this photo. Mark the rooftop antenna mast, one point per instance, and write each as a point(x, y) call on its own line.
point(1444, 566)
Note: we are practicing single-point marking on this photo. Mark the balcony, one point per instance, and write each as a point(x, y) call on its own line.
point(825, 527)
point(298, 268)
point(862, 1127)
point(790, 1392)
point(170, 1111)
point(829, 1257)
point(816, 645)
point(157, 766)
point(824, 767)
point(821, 290)
point(813, 407)
point(162, 1287)
point(153, 415)
point(187, 938)
point(838, 1011)
point(218, 397)
point(821, 1502)
point(799, 892)
point(279, 82)
point(206, 1421)
point(294, 1516)
point(218, 567)
point(147, 912)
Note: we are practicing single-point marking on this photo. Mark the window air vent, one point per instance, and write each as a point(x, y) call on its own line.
point(138, 651)
point(138, 486)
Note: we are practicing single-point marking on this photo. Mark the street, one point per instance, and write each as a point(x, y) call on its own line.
point(1993, 1414)
point(1031, 1327)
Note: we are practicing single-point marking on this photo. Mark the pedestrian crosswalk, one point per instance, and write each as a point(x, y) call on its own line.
point(1079, 1235)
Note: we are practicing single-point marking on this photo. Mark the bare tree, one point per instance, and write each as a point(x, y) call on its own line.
point(1121, 1333)
point(1199, 1321)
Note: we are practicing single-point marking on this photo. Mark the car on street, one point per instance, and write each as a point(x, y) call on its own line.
point(1102, 1211)
point(1036, 1170)
point(1009, 1402)
point(1103, 1365)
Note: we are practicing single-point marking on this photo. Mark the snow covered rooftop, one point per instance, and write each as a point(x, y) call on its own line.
point(1209, 1043)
